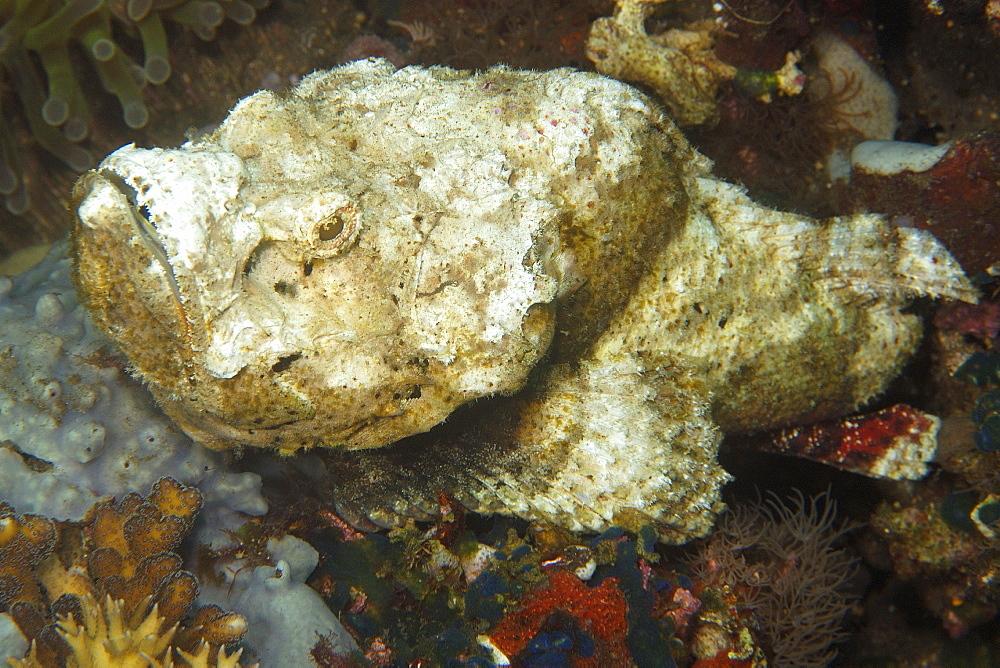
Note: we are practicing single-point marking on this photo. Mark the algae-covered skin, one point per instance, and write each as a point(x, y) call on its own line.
point(352, 263)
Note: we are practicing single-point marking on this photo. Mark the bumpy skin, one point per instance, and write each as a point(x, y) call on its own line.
point(348, 265)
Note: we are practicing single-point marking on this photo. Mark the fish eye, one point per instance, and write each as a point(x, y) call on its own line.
point(331, 228)
point(334, 233)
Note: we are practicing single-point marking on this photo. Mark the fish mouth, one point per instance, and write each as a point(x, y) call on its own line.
point(142, 224)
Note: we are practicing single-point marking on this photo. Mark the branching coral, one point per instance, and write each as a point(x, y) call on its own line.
point(110, 591)
point(105, 638)
point(38, 39)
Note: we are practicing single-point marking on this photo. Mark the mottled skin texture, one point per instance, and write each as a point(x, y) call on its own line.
point(351, 264)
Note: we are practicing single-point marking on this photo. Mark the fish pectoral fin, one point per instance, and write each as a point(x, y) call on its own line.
point(604, 443)
point(620, 440)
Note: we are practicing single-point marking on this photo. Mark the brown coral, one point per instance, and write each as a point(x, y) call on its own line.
point(25, 540)
point(110, 590)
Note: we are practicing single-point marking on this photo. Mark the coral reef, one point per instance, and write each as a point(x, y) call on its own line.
point(946, 71)
point(794, 151)
point(597, 611)
point(285, 618)
point(531, 597)
point(682, 66)
point(983, 369)
point(936, 542)
point(952, 189)
point(35, 178)
point(435, 593)
point(757, 35)
point(679, 65)
point(76, 427)
point(773, 584)
point(860, 101)
point(939, 539)
point(896, 443)
point(110, 590)
point(104, 638)
point(780, 563)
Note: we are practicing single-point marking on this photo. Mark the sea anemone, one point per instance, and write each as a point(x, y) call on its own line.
point(782, 561)
point(41, 42)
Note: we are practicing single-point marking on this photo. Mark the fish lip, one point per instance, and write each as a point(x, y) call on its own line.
point(146, 232)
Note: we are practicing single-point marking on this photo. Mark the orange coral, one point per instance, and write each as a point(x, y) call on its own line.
point(111, 587)
point(599, 611)
point(24, 541)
